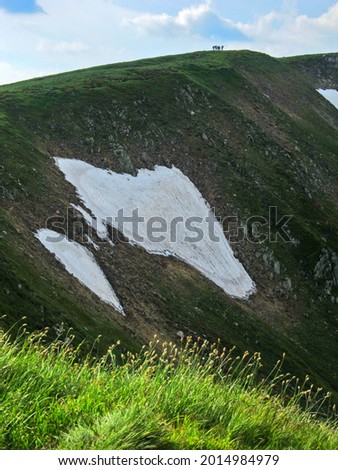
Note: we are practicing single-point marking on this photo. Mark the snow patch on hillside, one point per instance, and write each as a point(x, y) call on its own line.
point(166, 193)
point(91, 242)
point(80, 263)
point(96, 224)
point(330, 95)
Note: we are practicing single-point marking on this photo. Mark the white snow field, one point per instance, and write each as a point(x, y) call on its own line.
point(166, 193)
point(330, 95)
point(80, 263)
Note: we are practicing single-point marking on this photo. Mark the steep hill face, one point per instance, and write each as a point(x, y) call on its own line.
point(250, 132)
point(321, 70)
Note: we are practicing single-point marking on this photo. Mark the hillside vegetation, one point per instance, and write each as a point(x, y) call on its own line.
point(250, 131)
point(194, 396)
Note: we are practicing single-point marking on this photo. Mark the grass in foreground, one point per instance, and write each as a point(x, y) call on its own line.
point(193, 397)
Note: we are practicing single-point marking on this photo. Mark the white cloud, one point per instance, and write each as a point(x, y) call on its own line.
point(74, 46)
point(199, 20)
point(328, 20)
point(286, 33)
point(63, 46)
point(189, 15)
point(184, 19)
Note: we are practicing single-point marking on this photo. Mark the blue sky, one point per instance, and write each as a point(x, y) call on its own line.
point(50, 36)
point(20, 6)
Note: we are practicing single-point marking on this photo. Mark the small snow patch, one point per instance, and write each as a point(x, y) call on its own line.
point(91, 242)
point(330, 95)
point(80, 263)
point(96, 224)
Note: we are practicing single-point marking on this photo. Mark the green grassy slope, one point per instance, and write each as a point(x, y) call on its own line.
point(249, 130)
point(51, 400)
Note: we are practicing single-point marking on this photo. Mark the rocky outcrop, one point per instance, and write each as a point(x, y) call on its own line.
point(321, 69)
point(326, 272)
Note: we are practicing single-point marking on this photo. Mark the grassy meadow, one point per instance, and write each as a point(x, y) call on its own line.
point(192, 396)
